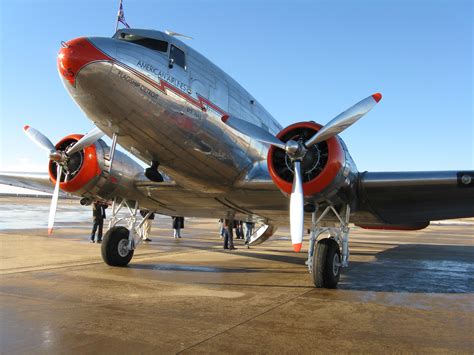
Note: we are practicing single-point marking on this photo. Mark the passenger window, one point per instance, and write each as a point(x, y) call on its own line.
point(155, 44)
point(177, 56)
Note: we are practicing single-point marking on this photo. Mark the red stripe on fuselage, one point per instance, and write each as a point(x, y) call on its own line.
point(162, 85)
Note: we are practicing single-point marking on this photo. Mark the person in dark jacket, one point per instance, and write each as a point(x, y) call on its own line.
point(98, 216)
point(239, 233)
point(178, 224)
point(228, 234)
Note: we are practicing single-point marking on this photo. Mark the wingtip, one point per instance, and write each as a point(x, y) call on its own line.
point(297, 247)
point(225, 118)
point(377, 97)
point(26, 127)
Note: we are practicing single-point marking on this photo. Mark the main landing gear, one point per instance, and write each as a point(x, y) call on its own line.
point(328, 254)
point(119, 243)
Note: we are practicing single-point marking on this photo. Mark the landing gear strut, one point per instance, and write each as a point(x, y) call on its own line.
point(328, 255)
point(119, 242)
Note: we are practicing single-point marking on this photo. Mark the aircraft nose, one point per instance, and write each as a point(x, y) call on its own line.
point(75, 55)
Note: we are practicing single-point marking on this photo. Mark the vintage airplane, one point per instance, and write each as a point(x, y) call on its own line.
point(214, 151)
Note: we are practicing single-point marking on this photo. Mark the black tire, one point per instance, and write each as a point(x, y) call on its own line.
point(325, 273)
point(113, 239)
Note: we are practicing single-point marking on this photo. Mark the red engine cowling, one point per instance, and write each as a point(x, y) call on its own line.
point(320, 167)
point(89, 172)
point(82, 167)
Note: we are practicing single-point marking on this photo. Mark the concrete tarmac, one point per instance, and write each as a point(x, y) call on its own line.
point(403, 292)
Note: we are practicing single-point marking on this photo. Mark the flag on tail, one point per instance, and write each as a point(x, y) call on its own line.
point(121, 16)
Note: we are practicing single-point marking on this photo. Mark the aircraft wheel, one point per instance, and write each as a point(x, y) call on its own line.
point(326, 264)
point(114, 248)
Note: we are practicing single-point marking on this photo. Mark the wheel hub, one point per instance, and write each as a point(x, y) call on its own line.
point(123, 248)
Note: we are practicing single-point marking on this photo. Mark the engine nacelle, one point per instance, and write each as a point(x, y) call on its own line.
point(328, 171)
point(86, 173)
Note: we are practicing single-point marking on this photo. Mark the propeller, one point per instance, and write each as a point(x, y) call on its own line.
point(91, 137)
point(296, 209)
point(252, 131)
point(39, 138)
point(61, 158)
point(296, 151)
point(344, 120)
point(54, 200)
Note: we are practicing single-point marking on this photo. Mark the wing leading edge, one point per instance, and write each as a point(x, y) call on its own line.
point(33, 181)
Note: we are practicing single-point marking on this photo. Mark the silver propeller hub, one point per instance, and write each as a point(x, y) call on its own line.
point(58, 156)
point(295, 150)
point(291, 147)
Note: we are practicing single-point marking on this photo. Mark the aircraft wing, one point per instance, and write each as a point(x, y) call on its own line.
point(33, 181)
point(415, 197)
point(402, 199)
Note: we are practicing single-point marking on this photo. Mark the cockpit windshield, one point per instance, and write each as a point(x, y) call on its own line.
point(151, 43)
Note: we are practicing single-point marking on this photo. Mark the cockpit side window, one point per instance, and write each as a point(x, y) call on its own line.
point(155, 44)
point(177, 56)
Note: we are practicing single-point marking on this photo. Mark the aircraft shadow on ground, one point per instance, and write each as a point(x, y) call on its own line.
point(289, 258)
point(193, 268)
point(415, 268)
point(197, 268)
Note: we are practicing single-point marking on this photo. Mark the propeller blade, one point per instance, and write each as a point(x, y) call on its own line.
point(39, 138)
point(344, 120)
point(176, 34)
point(252, 131)
point(91, 137)
point(297, 209)
point(54, 200)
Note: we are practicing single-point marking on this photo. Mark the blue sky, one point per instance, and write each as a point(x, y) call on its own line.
point(303, 60)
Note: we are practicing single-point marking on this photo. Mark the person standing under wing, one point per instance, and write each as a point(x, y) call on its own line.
point(248, 232)
point(98, 216)
point(146, 228)
point(178, 224)
point(221, 228)
point(228, 234)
